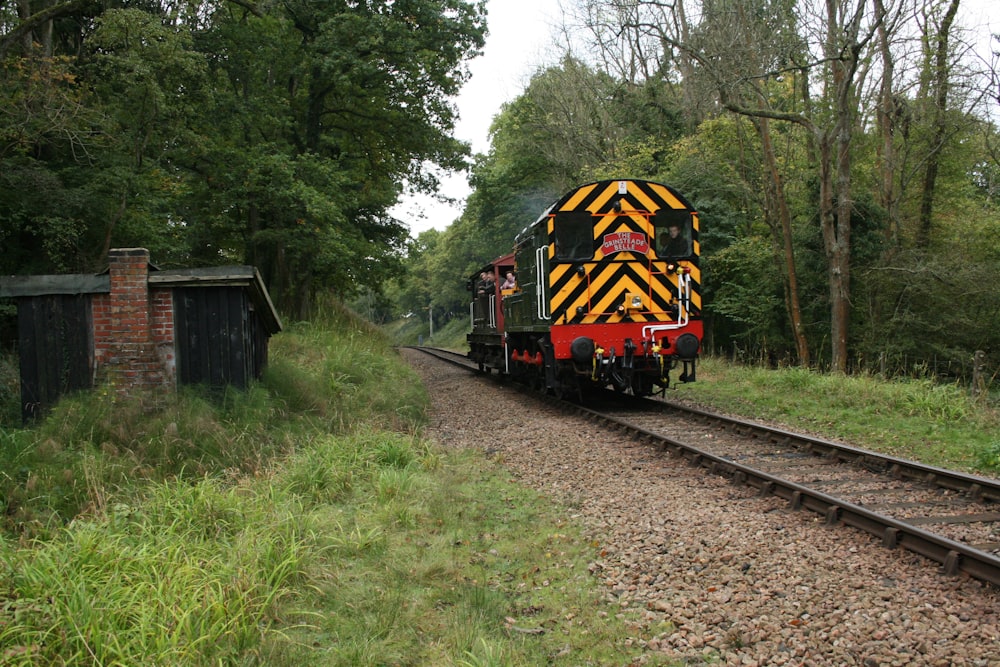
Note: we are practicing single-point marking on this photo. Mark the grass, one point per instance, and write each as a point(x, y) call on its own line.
point(304, 521)
point(916, 419)
point(365, 549)
point(415, 331)
point(444, 574)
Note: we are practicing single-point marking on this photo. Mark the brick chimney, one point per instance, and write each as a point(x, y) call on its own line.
point(133, 328)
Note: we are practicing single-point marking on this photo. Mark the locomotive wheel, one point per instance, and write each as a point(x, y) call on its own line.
point(536, 381)
point(642, 385)
point(567, 388)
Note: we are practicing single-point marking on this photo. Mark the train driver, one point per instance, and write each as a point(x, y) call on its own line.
point(672, 242)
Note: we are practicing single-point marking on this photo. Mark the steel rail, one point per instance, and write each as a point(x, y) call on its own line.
point(954, 557)
point(975, 487)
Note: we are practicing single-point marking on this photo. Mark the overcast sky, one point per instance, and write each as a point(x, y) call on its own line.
point(519, 43)
point(522, 39)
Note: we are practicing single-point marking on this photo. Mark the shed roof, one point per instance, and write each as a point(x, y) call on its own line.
point(100, 283)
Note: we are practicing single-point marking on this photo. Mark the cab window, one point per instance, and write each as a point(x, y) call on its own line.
point(672, 231)
point(574, 235)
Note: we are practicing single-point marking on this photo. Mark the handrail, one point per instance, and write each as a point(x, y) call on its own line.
point(541, 303)
point(683, 309)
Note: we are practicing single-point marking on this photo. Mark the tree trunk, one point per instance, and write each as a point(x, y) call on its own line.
point(885, 113)
point(776, 193)
point(940, 126)
point(836, 204)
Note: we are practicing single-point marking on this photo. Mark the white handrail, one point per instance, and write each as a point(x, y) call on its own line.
point(541, 304)
point(683, 315)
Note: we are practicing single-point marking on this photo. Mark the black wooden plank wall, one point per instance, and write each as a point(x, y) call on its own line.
point(258, 340)
point(213, 336)
point(54, 338)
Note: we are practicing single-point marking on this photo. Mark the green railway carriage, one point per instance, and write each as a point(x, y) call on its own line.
point(608, 293)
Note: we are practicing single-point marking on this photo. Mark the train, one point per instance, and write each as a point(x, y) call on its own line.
point(606, 294)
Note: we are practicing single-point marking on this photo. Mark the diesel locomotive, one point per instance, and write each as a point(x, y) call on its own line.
point(606, 294)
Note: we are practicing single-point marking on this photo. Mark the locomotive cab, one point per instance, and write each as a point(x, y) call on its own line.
point(486, 341)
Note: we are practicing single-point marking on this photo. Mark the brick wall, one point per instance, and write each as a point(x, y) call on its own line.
point(133, 326)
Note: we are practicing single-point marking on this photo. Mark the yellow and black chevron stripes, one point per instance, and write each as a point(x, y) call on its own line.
point(615, 211)
point(592, 291)
point(638, 196)
point(596, 295)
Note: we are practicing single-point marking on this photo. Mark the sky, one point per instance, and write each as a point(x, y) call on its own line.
point(519, 43)
point(522, 39)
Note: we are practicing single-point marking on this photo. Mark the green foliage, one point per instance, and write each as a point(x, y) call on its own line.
point(989, 456)
point(253, 135)
point(911, 298)
point(747, 297)
point(44, 209)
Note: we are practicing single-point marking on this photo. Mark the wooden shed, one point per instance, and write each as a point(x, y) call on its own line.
point(134, 326)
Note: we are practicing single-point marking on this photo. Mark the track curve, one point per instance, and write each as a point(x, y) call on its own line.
point(946, 516)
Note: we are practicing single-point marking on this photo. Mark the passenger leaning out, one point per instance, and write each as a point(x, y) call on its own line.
point(486, 284)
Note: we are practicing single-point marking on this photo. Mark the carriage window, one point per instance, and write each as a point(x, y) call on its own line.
point(672, 229)
point(574, 233)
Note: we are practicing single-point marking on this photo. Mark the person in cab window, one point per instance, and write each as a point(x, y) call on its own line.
point(510, 282)
point(672, 242)
point(486, 283)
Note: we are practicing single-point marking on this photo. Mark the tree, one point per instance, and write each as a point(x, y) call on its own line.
point(227, 131)
point(940, 84)
point(825, 55)
point(360, 106)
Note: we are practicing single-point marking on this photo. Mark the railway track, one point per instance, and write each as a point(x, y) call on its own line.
point(949, 517)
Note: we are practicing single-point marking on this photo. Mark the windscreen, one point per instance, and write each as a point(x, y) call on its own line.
point(574, 234)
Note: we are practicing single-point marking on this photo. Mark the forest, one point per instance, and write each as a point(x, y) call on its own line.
point(843, 155)
point(275, 134)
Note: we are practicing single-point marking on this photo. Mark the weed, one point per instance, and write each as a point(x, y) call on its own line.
point(989, 457)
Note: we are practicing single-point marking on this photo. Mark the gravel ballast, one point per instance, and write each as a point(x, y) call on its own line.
point(716, 572)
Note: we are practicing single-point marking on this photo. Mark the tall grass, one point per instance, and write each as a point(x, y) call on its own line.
point(915, 418)
point(10, 394)
point(188, 575)
point(345, 380)
point(422, 558)
point(303, 521)
point(328, 376)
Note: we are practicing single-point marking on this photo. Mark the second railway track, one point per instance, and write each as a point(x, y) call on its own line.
point(949, 517)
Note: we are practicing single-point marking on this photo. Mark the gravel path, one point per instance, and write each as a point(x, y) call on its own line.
point(736, 578)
